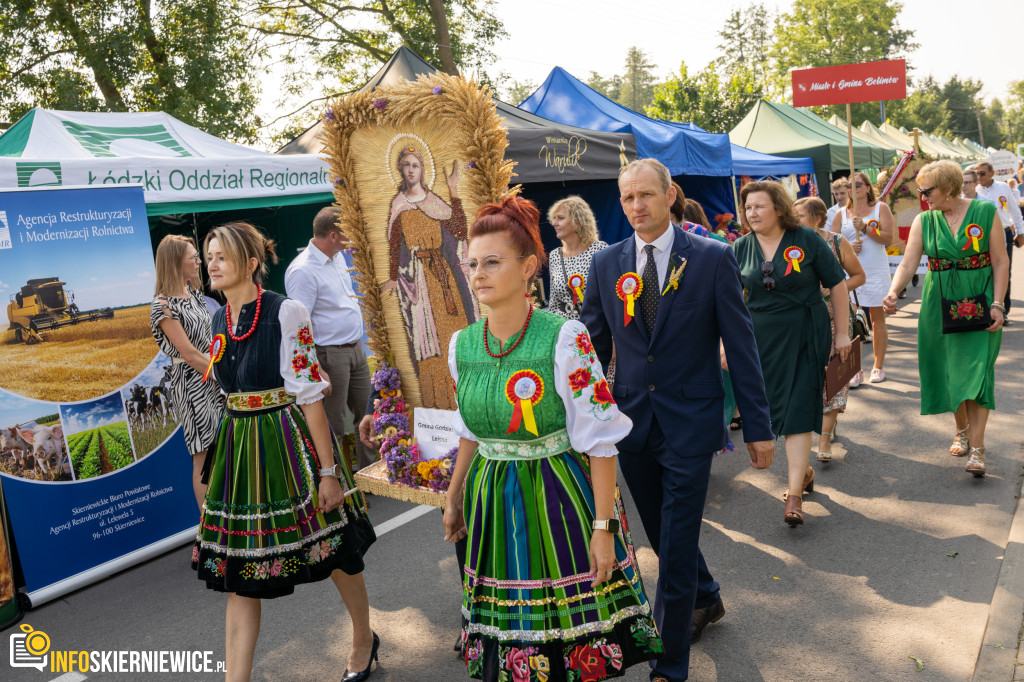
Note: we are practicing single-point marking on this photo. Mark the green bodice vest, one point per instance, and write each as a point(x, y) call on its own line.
point(481, 390)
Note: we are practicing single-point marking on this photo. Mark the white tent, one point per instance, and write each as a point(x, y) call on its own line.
point(181, 168)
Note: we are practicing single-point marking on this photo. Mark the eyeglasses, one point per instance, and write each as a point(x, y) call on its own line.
point(768, 269)
point(925, 191)
point(982, 174)
point(858, 185)
point(490, 264)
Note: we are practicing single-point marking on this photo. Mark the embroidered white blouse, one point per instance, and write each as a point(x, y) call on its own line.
point(591, 430)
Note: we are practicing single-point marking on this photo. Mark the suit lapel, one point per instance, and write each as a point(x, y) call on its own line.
point(627, 263)
point(680, 250)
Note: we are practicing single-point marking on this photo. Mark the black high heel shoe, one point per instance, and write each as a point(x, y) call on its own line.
point(363, 674)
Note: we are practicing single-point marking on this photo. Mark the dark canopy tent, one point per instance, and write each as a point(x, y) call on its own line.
point(780, 129)
point(701, 162)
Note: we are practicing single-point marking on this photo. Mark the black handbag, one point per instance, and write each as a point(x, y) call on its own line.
point(968, 314)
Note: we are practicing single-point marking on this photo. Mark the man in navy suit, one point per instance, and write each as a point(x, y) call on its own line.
point(668, 380)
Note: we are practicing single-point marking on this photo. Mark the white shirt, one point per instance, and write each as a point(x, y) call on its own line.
point(662, 253)
point(1006, 208)
point(324, 286)
point(830, 215)
point(978, 197)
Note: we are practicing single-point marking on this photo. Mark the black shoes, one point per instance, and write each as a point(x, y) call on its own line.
point(704, 617)
point(365, 674)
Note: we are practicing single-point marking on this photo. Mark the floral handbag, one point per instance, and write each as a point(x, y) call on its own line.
point(968, 314)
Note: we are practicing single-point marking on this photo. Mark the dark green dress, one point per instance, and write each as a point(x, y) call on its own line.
point(956, 367)
point(791, 325)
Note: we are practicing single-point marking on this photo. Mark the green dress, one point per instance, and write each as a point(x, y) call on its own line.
point(791, 324)
point(531, 613)
point(956, 367)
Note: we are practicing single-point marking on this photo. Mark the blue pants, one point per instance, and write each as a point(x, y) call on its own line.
point(669, 492)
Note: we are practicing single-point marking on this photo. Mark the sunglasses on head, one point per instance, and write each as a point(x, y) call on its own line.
point(768, 269)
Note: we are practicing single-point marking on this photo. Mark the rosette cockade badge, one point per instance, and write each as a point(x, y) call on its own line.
point(524, 389)
point(628, 289)
point(793, 255)
point(217, 348)
point(576, 283)
point(974, 233)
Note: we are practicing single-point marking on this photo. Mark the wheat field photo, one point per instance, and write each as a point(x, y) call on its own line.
point(80, 361)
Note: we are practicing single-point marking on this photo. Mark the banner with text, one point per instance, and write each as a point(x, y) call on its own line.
point(94, 468)
point(849, 83)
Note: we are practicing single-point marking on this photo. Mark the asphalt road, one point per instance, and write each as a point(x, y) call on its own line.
point(898, 558)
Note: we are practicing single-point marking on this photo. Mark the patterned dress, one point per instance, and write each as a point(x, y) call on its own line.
point(197, 405)
point(562, 302)
point(531, 613)
point(262, 531)
point(838, 402)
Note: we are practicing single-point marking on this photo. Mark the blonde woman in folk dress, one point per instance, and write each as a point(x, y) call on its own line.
point(276, 514)
point(552, 590)
point(569, 264)
point(180, 322)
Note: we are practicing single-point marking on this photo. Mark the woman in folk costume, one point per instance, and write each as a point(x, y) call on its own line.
point(552, 590)
point(276, 514)
point(423, 235)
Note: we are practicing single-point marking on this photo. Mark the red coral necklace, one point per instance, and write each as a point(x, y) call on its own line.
point(231, 328)
point(487, 346)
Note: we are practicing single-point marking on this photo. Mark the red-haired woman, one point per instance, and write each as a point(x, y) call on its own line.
point(552, 590)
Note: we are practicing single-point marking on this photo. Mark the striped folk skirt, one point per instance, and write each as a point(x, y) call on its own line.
point(262, 531)
point(531, 613)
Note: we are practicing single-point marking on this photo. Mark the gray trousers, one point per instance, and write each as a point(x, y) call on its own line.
point(349, 375)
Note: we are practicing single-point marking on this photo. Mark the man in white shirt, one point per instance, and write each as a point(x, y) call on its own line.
point(840, 194)
point(971, 186)
point(1007, 210)
point(319, 279)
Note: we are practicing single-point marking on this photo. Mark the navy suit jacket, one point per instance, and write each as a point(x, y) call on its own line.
point(675, 372)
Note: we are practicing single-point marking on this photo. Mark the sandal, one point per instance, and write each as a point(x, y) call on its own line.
point(822, 456)
point(976, 462)
point(961, 442)
point(736, 424)
point(794, 515)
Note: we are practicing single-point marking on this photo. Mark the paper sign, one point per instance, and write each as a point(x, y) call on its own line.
point(849, 83)
point(433, 431)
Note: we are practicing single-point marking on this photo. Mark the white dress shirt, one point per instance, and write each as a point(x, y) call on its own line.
point(1010, 216)
point(323, 285)
point(662, 254)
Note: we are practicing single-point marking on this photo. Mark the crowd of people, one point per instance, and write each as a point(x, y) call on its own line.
point(551, 586)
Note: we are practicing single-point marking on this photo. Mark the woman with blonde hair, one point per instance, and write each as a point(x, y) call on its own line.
point(870, 231)
point(282, 508)
point(957, 369)
point(569, 264)
point(812, 213)
point(180, 322)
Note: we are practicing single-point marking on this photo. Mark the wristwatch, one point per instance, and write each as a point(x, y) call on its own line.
point(331, 471)
point(610, 525)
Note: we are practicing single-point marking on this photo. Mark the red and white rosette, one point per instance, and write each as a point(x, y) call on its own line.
point(628, 289)
point(974, 233)
point(576, 284)
point(217, 348)
point(793, 256)
point(524, 389)
point(1002, 203)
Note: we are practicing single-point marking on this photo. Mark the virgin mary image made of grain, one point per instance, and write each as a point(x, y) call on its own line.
point(426, 236)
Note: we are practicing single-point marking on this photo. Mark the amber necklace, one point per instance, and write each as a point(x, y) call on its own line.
point(487, 346)
point(227, 312)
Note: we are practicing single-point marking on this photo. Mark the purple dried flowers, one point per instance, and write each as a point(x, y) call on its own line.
point(380, 104)
point(437, 90)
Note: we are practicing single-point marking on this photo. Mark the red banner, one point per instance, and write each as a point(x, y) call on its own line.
point(849, 83)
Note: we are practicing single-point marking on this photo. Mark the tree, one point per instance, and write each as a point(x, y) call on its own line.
point(190, 58)
point(833, 32)
point(1014, 120)
point(609, 87)
point(746, 42)
point(714, 103)
point(516, 91)
point(638, 80)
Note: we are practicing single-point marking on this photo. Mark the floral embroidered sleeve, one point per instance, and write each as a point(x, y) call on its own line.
point(592, 418)
point(300, 369)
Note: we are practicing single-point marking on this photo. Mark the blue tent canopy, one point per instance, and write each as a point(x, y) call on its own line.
point(757, 164)
point(686, 151)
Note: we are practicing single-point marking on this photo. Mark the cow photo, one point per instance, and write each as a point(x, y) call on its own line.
point(97, 433)
point(147, 402)
point(32, 441)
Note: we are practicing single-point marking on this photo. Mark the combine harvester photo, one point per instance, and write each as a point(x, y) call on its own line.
point(43, 304)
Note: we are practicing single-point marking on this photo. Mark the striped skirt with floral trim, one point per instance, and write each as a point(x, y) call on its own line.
point(262, 531)
point(531, 613)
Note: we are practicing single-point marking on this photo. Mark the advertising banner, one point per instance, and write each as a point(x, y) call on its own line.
point(550, 155)
point(94, 468)
point(849, 83)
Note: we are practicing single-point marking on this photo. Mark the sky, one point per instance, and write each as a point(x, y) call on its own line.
point(84, 416)
point(14, 409)
point(595, 36)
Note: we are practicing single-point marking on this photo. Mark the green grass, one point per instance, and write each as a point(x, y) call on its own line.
point(149, 439)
